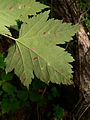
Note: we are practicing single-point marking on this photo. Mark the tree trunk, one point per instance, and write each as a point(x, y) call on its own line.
point(82, 72)
point(66, 10)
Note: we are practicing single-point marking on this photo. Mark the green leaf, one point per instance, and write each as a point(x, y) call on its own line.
point(58, 112)
point(1, 92)
point(52, 32)
point(9, 104)
point(12, 10)
point(4, 104)
point(7, 17)
point(35, 97)
point(54, 92)
point(6, 77)
point(1, 82)
point(2, 63)
point(36, 85)
point(9, 88)
point(22, 95)
point(35, 51)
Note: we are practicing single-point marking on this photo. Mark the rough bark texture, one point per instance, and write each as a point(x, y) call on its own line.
point(83, 73)
point(66, 10)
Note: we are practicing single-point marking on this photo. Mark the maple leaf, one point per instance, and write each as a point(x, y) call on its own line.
point(35, 51)
point(12, 10)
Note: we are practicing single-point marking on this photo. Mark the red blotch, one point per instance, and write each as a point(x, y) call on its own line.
point(35, 58)
point(10, 8)
point(24, 79)
point(55, 33)
point(33, 49)
point(24, 6)
point(44, 33)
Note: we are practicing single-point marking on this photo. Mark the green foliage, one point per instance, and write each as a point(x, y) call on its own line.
point(9, 103)
point(86, 22)
point(2, 63)
point(22, 95)
point(34, 94)
point(53, 93)
point(9, 94)
point(35, 97)
point(11, 98)
point(84, 4)
point(83, 9)
point(6, 77)
point(43, 1)
point(58, 113)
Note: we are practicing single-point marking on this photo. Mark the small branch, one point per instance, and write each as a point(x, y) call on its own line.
point(82, 15)
point(44, 91)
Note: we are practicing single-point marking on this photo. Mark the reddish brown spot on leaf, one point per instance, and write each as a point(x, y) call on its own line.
point(24, 6)
point(24, 79)
point(55, 33)
point(44, 33)
point(33, 49)
point(35, 58)
point(10, 8)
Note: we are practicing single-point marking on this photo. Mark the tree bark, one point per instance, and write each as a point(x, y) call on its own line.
point(82, 74)
point(66, 10)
